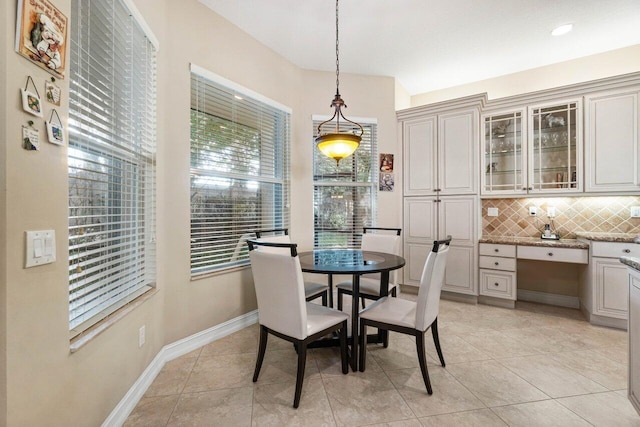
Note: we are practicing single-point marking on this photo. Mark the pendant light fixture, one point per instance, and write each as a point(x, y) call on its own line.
point(335, 144)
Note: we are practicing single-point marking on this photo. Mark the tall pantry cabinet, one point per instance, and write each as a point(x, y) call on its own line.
point(440, 157)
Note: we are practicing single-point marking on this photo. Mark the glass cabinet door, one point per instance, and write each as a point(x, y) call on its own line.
point(554, 152)
point(503, 160)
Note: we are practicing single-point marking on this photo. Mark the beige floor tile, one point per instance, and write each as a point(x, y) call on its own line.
point(244, 341)
point(172, 377)
point(365, 398)
point(448, 394)
point(404, 423)
point(551, 377)
point(273, 405)
point(617, 353)
point(498, 345)
point(477, 418)
point(546, 339)
point(330, 364)
point(454, 349)
point(493, 384)
point(603, 409)
point(152, 411)
point(230, 407)
point(547, 413)
point(596, 367)
point(400, 354)
point(282, 366)
point(214, 373)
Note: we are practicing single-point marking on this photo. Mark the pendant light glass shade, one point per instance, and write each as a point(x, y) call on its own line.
point(338, 145)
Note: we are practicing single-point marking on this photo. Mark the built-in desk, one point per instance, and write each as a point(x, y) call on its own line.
point(498, 262)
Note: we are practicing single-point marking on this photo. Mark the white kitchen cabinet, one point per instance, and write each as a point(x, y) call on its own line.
point(430, 218)
point(634, 338)
point(604, 291)
point(498, 271)
point(612, 144)
point(440, 154)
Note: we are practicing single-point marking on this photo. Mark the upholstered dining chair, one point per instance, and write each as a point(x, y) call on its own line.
point(312, 290)
point(381, 240)
point(409, 317)
point(283, 311)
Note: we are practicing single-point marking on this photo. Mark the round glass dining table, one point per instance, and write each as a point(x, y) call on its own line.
point(354, 262)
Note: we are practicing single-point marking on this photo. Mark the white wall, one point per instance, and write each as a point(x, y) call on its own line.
point(607, 64)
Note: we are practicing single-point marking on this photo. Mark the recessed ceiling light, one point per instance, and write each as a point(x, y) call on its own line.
point(562, 29)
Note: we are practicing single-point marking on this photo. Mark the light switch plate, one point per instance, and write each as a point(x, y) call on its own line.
point(533, 210)
point(492, 211)
point(40, 248)
point(635, 211)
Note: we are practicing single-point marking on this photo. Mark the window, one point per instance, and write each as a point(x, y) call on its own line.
point(344, 196)
point(239, 170)
point(111, 160)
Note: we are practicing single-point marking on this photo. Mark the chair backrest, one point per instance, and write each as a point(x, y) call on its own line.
point(431, 283)
point(279, 285)
point(276, 238)
point(381, 242)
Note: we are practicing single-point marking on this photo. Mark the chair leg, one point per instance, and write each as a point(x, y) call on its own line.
point(344, 355)
point(394, 292)
point(261, 349)
point(340, 293)
point(423, 361)
point(324, 298)
point(363, 303)
point(363, 345)
point(302, 360)
point(436, 341)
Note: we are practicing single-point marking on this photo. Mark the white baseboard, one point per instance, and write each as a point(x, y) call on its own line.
point(551, 299)
point(169, 352)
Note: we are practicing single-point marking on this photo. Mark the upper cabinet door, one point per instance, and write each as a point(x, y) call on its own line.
point(420, 166)
point(458, 142)
point(504, 154)
point(555, 148)
point(612, 153)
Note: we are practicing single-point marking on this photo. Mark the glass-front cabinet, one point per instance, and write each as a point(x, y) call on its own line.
point(541, 153)
point(504, 168)
point(555, 148)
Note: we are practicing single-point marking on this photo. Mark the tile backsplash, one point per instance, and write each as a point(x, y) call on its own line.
point(573, 214)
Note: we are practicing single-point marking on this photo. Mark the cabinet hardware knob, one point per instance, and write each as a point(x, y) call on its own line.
point(626, 251)
point(496, 284)
point(497, 250)
point(497, 263)
point(550, 254)
point(530, 188)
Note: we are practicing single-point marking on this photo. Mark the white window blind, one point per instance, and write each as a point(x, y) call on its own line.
point(111, 158)
point(239, 170)
point(344, 196)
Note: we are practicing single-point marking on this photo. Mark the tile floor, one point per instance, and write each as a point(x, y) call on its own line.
point(536, 365)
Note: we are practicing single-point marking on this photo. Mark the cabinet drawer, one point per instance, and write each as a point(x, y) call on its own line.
point(614, 249)
point(498, 263)
point(492, 249)
point(577, 256)
point(498, 284)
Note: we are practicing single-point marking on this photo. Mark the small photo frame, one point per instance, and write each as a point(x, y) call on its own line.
point(55, 131)
point(30, 138)
point(386, 163)
point(387, 181)
point(31, 103)
point(52, 93)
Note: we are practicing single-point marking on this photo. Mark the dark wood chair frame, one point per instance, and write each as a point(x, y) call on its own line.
point(363, 297)
point(326, 295)
point(300, 345)
point(419, 335)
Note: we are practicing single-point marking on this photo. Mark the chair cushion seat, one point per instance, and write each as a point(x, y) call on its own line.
point(395, 311)
point(320, 317)
point(314, 288)
point(367, 286)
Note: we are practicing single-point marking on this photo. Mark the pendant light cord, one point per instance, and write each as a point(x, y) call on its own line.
point(337, 55)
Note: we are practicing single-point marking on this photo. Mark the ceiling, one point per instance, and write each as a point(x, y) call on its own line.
point(429, 45)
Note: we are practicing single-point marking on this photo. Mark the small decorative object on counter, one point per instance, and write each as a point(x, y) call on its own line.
point(547, 234)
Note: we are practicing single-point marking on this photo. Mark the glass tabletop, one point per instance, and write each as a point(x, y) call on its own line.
point(348, 261)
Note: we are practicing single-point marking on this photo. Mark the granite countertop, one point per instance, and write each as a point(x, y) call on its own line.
point(536, 241)
point(610, 237)
point(631, 262)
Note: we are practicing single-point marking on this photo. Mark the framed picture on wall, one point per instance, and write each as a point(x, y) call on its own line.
point(41, 35)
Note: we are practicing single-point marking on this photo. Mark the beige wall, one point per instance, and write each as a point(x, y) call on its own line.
point(84, 387)
point(607, 64)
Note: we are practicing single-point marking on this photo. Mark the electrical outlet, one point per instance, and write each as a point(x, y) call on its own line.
point(142, 336)
point(635, 211)
point(551, 211)
point(492, 211)
point(533, 210)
